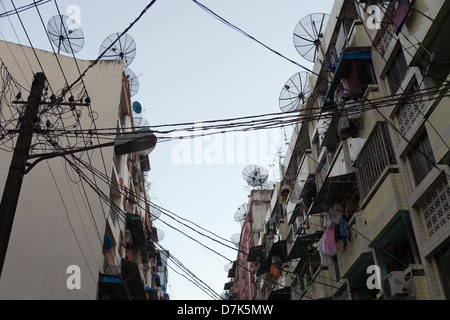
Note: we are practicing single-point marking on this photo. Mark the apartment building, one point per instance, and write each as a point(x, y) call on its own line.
point(243, 272)
point(367, 176)
point(82, 228)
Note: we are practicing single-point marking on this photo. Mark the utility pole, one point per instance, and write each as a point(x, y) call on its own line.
point(13, 183)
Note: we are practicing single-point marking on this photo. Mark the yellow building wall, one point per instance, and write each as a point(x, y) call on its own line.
point(438, 129)
point(385, 203)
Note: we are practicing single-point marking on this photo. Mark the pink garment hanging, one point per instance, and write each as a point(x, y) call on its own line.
point(328, 243)
point(400, 15)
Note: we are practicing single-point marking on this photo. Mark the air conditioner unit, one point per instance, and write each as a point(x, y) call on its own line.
point(416, 283)
point(298, 225)
point(394, 286)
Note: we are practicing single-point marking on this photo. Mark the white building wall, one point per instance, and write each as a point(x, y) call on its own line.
point(59, 223)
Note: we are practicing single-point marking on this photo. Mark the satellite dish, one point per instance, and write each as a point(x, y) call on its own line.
point(140, 123)
point(236, 238)
point(254, 175)
point(123, 49)
point(241, 212)
point(137, 108)
point(65, 34)
point(294, 92)
point(133, 81)
point(308, 35)
point(160, 235)
point(155, 213)
point(228, 266)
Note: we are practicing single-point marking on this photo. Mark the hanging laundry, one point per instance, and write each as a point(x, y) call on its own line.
point(337, 233)
point(328, 242)
point(285, 190)
point(400, 15)
point(270, 227)
point(346, 128)
point(325, 259)
point(275, 271)
point(334, 60)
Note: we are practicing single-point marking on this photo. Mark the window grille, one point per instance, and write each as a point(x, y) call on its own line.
point(376, 154)
point(410, 111)
point(436, 206)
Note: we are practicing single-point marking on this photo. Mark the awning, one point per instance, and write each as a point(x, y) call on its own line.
point(332, 191)
point(151, 293)
point(150, 249)
point(280, 294)
point(158, 258)
point(257, 253)
point(331, 139)
point(154, 234)
point(302, 244)
point(157, 280)
point(132, 279)
point(357, 274)
point(111, 287)
point(278, 249)
point(232, 271)
point(347, 55)
point(136, 227)
point(145, 162)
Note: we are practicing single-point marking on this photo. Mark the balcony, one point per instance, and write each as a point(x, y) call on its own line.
point(302, 246)
point(321, 285)
point(385, 200)
point(139, 242)
point(112, 287)
point(356, 250)
point(274, 249)
point(333, 190)
point(352, 74)
point(132, 279)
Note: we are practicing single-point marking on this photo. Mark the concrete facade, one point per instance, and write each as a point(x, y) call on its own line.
point(66, 231)
point(387, 179)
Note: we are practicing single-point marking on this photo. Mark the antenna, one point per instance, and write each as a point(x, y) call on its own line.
point(308, 35)
point(123, 49)
point(133, 81)
point(241, 212)
point(255, 176)
point(65, 34)
point(294, 92)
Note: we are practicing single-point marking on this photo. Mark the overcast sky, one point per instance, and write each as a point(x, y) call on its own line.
point(191, 67)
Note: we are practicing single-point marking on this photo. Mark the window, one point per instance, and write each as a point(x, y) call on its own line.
point(376, 154)
point(397, 72)
point(421, 159)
